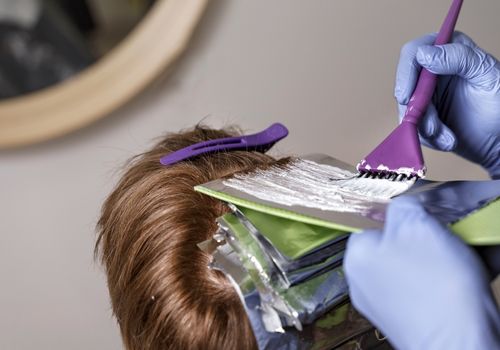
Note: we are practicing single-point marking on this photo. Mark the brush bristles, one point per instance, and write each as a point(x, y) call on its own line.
point(385, 175)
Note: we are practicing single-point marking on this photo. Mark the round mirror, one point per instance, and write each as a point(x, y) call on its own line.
point(65, 63)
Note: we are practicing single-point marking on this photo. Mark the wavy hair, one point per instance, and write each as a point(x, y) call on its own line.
point(162, 292)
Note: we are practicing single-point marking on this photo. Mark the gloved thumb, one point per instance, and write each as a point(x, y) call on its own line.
point(360, 249)
point(469, 63)
point(433, 132)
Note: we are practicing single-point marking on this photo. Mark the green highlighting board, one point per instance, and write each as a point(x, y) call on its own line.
point(278, 212)
point(481, 227)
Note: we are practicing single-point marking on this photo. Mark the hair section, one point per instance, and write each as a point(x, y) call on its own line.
point(162, 292)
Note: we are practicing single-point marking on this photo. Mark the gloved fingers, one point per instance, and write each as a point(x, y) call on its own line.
point(430, 124)
point(461, 38)
point(404, 212)
point(408, 223)
point(432, 131)
point(435, 132)
point(472, 64)
point(399, 206)
point(423, 140)
point(409, 69)
point(360, 247)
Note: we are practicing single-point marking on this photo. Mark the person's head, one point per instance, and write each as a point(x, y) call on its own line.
point(163, 294)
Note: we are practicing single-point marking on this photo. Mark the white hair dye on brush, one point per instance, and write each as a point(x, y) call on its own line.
point(309, 184)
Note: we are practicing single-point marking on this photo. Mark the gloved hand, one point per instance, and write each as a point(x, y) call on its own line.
point(465, 114)
point(420, 284)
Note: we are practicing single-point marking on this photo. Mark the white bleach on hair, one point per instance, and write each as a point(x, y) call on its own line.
point(309, 184)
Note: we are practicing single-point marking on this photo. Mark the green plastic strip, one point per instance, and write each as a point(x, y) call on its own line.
point(481, 227)
point(282, 213)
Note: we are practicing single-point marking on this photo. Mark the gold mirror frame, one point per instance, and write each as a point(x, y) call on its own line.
point(160, 37)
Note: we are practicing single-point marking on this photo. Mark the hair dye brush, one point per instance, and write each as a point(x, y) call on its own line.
point(399, 156)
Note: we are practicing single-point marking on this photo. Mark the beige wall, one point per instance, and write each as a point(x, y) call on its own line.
point(324, 68)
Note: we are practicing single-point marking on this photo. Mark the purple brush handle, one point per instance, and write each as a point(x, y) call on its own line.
point(427, 81)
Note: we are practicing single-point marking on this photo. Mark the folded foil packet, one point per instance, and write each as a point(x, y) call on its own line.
point(283, 243)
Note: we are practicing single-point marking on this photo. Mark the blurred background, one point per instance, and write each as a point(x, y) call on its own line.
point(323, 68)
point(46, 42)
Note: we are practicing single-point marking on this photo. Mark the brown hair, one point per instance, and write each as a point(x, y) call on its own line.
point(162, 292)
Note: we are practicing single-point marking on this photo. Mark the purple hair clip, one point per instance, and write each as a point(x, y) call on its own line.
point(261, 142)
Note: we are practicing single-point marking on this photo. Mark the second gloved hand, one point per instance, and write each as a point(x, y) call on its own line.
point(420, 284)
point(465, 114)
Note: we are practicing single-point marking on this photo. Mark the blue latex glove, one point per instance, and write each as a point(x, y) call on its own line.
point(420, 284)
point(465, 115)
